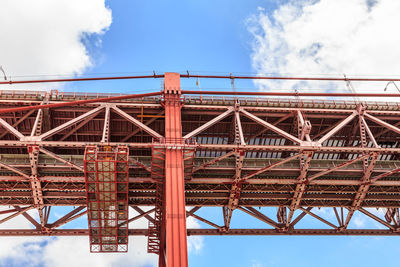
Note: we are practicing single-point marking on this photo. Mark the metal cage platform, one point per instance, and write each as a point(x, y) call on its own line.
point(106, 178)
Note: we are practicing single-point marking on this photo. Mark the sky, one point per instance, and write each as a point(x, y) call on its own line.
point(71, 38)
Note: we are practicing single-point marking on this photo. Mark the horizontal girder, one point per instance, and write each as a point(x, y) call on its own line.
point(213, 232)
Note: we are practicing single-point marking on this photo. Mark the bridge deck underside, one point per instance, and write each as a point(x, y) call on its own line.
point(271, 173)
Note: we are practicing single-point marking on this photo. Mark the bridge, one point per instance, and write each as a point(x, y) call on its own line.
point(168, 154)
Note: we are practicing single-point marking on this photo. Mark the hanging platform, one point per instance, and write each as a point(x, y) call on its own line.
point(106, 177)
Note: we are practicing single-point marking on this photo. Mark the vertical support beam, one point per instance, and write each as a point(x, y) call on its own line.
point(236, 188)
point(174, 199)
point(301, 186)
point(36, 186)
point(33, 151)
point(303, 131)
point(46, 116)
point(281, 215)
point(369, 166)
point(106, 127)
point(363, 135)
point(304, 127)
point(37, 126)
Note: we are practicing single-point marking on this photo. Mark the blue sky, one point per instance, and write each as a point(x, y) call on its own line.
point(306, 37)
point(174, 36)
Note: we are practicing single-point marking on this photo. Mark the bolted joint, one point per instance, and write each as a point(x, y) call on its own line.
point(341, 229)
point(46, 230)
point(305, 182)
point(361, 109)
point(237, 105)
point(396, 229)
point(239, 151)
point(223, 230)
point(283, 229)
point(307, 127)
point(33, 148)
point(367, 182)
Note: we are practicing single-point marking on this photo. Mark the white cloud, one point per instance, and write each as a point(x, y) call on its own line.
point(14, 247)
point(255, 263)
point(68, 251)
point(48, 37)
point(195, 243)
point(75, 251)
point(355, 37)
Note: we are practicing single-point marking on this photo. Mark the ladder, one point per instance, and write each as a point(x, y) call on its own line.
point(158, 174)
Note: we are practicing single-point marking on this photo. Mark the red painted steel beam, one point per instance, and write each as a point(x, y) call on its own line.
point(326, 232)
point(78, 102)
point(212, 232)
point(190, 92)
point(174, 200)
point(187, 75)
point(84, 79)
point(292, 78)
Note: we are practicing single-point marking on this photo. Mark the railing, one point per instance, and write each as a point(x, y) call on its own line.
point(209, 100)
point(293, 103)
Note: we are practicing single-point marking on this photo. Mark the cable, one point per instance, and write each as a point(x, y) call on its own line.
point(291, 78)
point(187, 75)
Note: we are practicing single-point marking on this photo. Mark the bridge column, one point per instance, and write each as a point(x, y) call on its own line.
point(174, 194)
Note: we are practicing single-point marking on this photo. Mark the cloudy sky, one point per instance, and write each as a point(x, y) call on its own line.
point(47, 39)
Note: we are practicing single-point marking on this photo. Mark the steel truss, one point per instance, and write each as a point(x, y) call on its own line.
point(202, 151)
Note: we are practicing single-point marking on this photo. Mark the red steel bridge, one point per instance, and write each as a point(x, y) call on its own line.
point(168, 154)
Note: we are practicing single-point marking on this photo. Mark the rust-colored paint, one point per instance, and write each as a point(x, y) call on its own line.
point(175, 213)
point(79, 102)
point(190, 92)
point(187, 75)
point(337, 178)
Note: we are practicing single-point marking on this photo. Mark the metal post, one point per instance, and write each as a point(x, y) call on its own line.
point(174, 197)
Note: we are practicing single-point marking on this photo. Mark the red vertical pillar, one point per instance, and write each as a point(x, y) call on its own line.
point(174, 197)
